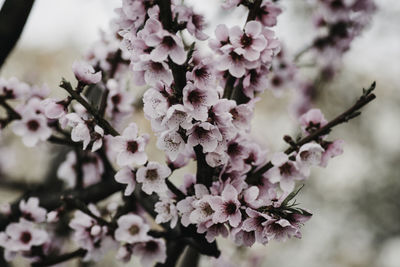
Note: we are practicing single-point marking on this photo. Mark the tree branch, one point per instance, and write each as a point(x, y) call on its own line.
point(61, 258)
point(13, 16)
point(97, 116)
point(349, 114)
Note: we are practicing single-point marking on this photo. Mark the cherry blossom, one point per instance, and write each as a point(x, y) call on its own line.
point(151, 251)
point(31, 210)
point(285, 171)
point(166, 212)
point(22, 236)
point(126, 176)
point(226, 207)
point(206, 135)
point(152, 177)
point(33, 128)
point(131, 229)
point(130, 147)
point(85, 73)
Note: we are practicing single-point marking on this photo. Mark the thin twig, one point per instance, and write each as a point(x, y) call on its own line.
point(97, 116)
point(352, 112)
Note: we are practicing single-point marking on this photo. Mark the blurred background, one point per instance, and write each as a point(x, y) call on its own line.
point(355, 200)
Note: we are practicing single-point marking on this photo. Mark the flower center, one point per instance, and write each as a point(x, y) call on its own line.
point(25, 237)
point(152, 174)
point(286, 169)
point(230, 208)
point(195, 97)
point(116, 99)
point(134, 229)
point(206, 208)
point(246, 40)
point(168, 41)
point(233, 149)
point(235, 57)
point(201, 132)
point(201, 73)
point(132, 146)
point(33, 125)
point(277, 81)
point(305, 155)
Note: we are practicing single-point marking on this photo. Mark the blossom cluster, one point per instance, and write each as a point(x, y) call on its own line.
point(200, 103)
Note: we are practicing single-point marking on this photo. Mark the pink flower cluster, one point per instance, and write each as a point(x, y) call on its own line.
point(20, 237)
point(200, 106)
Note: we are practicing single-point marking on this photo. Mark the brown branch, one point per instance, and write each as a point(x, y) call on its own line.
point(60, 258)
point(13, 16)
point(349, 114)
point(97, 116)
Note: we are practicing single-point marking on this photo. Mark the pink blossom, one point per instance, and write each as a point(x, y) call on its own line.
point(53, 109)
point(249, 42)
point(194, 22)
point(89, 235)
point(212, 230)
point(312, 121)
point(201, 75)
point(185, 208)
point(130, 147)
point(268, 13)
point(92, 169)
point(234, 62)
point(33, 128)
point(13, 88)
point(167, 45)
point(222, 35)
point(155, 103)
point(80, 130)
point(178, 116)
point(332, 149)
point(242, 237)
point(197, 101)
point(131, 229)
point(285, 171)
point(166, 211)
point(241, 116)
point(230, 3)
point(22, 236)
point(202, 209)
point(119, 101)
point(97, 137)
point(280, 229)
point(31, 210)
point(152, 177)
point(309, 154)
point(151, 72)
point(171, 143)
point(126, 176)
point(206, 135)
point(227, 207)
point(257, 222)
point(85, 73)
point(151, 251)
